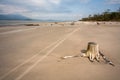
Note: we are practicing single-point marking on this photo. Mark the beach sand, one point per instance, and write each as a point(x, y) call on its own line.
point(34, 52)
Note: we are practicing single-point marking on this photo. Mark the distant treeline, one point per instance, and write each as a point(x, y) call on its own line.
point(105, 16)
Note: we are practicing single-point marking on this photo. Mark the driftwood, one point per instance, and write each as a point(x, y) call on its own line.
point(92, 51)
point(32, 24)
point(65, 57)
point(106, 60)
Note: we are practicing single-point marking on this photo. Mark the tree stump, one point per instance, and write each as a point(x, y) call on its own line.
point(92, 51)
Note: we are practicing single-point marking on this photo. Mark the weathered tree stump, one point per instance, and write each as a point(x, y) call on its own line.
point(92, 51)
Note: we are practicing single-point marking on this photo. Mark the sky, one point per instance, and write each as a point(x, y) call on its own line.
point(57, 9)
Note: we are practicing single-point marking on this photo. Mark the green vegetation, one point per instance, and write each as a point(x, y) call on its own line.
point(105, 16)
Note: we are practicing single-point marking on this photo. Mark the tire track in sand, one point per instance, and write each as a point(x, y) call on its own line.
point(28, 60)
point(54, 47)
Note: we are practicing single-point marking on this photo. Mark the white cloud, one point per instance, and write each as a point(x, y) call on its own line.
point(33, 4)
point(85, 1)
point(113, 1)
point(41, 9)
point(55, 1)
point(53, 16)
point(40, 3)
point(9, 9)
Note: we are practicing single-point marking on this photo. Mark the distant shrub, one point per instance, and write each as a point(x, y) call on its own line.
point(72, 23)
point(56, 22)
point(105, 16)
point(32, 24)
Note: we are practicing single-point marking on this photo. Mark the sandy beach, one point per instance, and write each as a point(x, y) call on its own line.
point(34, 52)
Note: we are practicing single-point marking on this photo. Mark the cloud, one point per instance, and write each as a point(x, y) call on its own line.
point(53, 16)
point(36, 2)
point(42, 9)
point(43, 1)
point(22, 6)
point(55, 1)
point(85, 1)
point(40, 3)
point(9, 9)
point(113, 1)
point(31, 5)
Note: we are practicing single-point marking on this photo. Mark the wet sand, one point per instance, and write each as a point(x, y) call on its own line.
point(34, 52)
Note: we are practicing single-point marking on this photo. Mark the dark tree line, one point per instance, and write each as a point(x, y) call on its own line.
point(105, 16)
